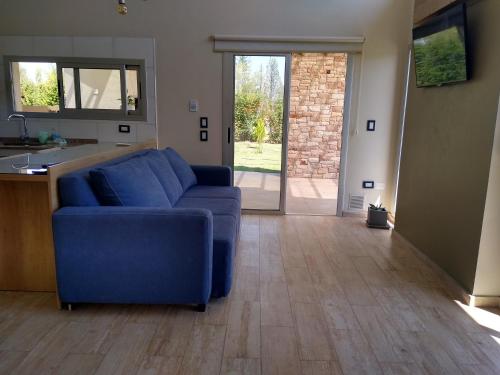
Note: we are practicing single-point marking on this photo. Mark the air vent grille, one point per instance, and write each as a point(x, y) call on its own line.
point(356, 202)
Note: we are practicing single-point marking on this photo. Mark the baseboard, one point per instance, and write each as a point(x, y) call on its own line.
point(353, 213)
point(484, 301)
point(455, 290)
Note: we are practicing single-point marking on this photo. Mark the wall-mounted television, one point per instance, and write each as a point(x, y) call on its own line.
point(440, 48)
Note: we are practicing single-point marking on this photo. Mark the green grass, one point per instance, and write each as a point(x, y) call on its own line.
point(247, 157)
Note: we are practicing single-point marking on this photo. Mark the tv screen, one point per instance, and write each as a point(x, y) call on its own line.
point(440, 49)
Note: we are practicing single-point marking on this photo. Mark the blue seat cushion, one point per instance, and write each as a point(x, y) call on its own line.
point(130, 183)
point(225, 233)
point(200, 191)
point(181, 167)
point(165, 174)
point(218, 206)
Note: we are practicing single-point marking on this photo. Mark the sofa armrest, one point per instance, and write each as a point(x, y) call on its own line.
point(133, 254)
point(213, 175)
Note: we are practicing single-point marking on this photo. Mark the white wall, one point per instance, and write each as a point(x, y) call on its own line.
point(188, 68)
point(67, 46)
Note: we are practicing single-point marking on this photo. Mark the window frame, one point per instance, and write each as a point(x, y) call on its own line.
point(122, 114)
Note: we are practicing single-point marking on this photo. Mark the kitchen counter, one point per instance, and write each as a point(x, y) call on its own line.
point(25, 163)
point(27, 202)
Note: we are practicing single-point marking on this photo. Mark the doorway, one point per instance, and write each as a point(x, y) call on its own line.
point(316, 117)
point(312, 111)
point(256, 137)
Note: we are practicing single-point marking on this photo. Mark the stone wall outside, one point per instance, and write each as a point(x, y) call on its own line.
point(316, 114)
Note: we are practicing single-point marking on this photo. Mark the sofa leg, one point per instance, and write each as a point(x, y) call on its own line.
point(202, 307)
point(66, 306)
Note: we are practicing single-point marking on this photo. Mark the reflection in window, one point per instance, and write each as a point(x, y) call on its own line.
point(100, 89)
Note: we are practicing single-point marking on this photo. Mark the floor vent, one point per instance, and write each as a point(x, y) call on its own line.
point(356, 202)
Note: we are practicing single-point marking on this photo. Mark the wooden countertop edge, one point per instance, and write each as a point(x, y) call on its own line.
point(23, 177)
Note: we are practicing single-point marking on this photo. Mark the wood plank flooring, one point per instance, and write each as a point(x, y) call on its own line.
point(311, 295)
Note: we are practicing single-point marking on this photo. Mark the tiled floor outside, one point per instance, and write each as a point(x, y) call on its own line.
point(304, 195)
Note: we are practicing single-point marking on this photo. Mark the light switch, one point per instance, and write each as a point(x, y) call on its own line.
point(370, 125)
point(193, 105)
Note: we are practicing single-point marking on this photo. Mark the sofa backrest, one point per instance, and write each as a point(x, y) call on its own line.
point(176, 176)
point(75, 188)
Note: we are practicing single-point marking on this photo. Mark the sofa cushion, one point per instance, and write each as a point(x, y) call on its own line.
point(165, 174)
point(225, 233)
point(130, 183)
point(218, 206)
point(200, 191)
point(182, 169)
point(75, 190)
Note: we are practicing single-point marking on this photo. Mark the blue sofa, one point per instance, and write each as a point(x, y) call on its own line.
point(146, 228)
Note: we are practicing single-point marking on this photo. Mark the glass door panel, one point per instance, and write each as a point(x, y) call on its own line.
point(259, 102)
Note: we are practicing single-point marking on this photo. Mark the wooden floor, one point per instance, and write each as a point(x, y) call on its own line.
point(312, 295)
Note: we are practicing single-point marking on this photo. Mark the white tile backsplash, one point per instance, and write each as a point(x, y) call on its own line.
point(93, 47)
point(16, 45)
point(37, 125)
point(78, 129)
point(52, 46)
point(9, 129)
point(135, 48)
point(146, 132)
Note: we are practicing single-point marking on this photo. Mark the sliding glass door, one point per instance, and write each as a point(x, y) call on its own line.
point(256, 96)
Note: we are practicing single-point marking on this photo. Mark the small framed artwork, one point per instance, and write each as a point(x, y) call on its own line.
point(203, 135)
point(203, 122)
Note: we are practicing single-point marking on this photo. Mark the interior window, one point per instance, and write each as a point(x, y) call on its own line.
point(83, 88)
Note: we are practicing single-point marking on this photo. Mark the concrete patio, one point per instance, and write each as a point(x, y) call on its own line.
point(310, 196)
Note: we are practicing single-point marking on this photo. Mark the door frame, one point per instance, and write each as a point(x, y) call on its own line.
point(351, 94)
point(228, 81)
point(353, 77)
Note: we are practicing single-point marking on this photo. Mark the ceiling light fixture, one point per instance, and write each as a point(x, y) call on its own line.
point(122, 7)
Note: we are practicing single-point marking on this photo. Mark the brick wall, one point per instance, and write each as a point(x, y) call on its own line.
point(316, 114)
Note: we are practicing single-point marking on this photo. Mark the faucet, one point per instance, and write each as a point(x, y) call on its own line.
point(25, 135)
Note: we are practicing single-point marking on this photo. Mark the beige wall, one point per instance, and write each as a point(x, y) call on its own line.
point(487, 282)
point(187, 67)
point(446, 155)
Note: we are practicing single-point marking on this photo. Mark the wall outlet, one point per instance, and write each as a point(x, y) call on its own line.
point(368, 184)
point(124, 128)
